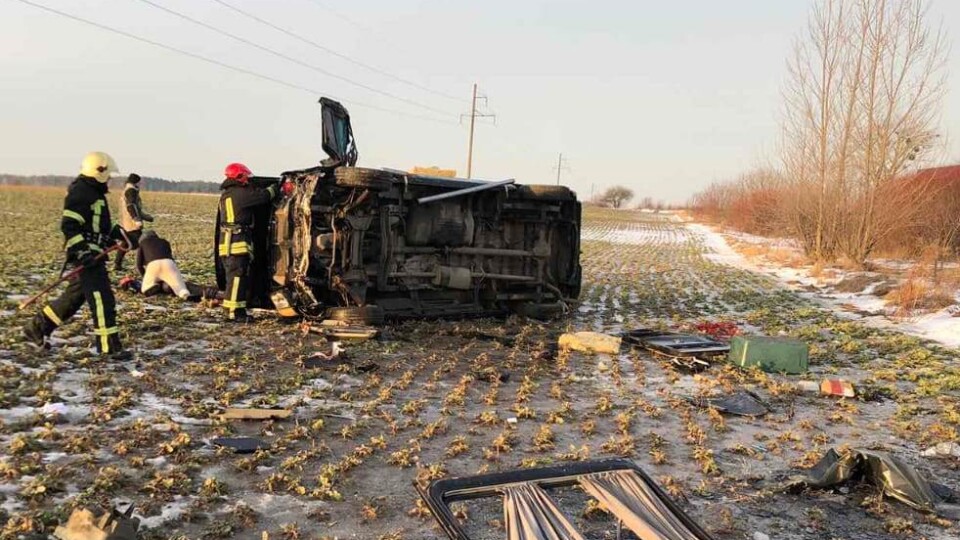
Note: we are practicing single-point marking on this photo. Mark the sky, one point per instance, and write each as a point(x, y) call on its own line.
point(662, 97)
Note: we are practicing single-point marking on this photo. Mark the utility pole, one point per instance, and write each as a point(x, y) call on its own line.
point(473, 120)
point(560, 167)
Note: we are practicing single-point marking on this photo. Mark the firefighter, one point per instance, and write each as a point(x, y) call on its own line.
point(132, 215)
point(238, 203)
point(87, 231)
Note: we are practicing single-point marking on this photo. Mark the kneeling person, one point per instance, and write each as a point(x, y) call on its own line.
point(156, 265)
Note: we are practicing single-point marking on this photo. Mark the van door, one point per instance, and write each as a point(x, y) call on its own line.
point(338, 141)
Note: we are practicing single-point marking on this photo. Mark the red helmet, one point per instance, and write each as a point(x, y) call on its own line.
point(238, 171)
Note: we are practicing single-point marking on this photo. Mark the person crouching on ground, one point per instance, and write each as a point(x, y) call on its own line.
point(161, 275)
point(155, 263)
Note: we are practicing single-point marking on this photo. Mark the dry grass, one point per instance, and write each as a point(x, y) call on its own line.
point(779, 255)
point(916, 295)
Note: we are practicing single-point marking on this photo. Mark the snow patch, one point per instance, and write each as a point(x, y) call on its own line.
point(942, 326)
point(169, 512)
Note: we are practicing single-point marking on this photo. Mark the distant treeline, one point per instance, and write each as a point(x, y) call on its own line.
point(148, 184)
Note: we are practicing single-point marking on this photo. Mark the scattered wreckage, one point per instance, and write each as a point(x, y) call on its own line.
point(361, 245)
point(530, 513)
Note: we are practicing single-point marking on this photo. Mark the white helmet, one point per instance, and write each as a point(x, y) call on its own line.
point(98, 165)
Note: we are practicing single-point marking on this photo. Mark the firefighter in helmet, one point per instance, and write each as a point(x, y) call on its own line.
point(239, 200)
point(87, 232)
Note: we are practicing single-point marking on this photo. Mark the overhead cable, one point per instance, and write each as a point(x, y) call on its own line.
point(328, 50)
point(225, 65)
point(289, 58)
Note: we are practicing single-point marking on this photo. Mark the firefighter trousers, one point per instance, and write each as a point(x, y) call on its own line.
point(237, 270)
point(134, 237)
point(93, 287)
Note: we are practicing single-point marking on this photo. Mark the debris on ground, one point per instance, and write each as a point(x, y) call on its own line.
point(828, 387)
point(241, 445)
point(944, 449)
point(54, 409)
point(675, 344)
point(255, 414)
point(590, 342)
point(895, 479)
point(532, 512)
point(742, 403)
point(340, 330)
point(111, 525)
point(718, 330)
point(771, 354)
point(318, 358)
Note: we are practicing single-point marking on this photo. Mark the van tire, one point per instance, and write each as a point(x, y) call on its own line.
point(542, 192)
point(357, 177)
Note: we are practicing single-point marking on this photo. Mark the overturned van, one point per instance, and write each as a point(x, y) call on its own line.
point(363, 245)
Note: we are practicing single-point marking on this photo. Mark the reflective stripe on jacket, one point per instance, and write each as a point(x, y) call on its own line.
point(238, 204)
point(85, 221)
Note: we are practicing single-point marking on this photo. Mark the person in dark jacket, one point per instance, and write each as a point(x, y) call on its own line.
point(238, 203)
point(155, 263)
point(132, 215)
point(160, 272)
point(87, 232)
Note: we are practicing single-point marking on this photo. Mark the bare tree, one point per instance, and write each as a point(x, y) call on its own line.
point(861, 100)
point(616, 196)
point(897, 109)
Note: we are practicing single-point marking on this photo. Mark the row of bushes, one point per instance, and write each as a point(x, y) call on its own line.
point(924, 210)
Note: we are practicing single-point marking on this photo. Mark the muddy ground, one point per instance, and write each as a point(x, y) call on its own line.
point(420, 403)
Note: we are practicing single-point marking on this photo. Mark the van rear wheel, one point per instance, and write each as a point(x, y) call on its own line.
point(358, 177)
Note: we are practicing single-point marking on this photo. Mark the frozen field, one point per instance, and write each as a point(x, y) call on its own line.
point(417, 406)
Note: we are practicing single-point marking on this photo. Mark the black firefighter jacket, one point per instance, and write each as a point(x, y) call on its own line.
point(86, 224)
point(238, 203)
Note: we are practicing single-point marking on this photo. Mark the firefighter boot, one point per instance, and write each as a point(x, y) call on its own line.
point(239, 316)
point(36, 331)
point(114, 349)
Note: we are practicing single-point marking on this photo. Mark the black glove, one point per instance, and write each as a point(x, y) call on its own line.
point(88, 259)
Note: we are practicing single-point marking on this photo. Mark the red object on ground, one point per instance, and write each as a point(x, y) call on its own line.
point(718, 330)
point(837, 387)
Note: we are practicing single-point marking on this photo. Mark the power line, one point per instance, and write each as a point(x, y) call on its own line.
point(288, 58)
point(378, 36)
point(225, 65)
point(343, 17)
point(333, 52)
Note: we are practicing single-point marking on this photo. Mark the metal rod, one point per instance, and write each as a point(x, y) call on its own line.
point(469, 251)
point(464, 191)
point(502, 277)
